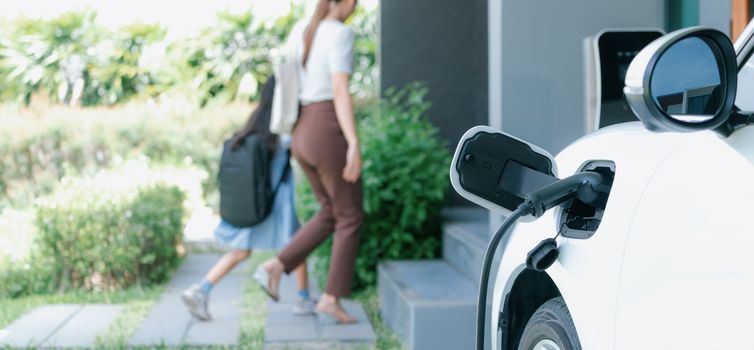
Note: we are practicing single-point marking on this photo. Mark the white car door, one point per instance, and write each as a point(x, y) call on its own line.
point(687, 278)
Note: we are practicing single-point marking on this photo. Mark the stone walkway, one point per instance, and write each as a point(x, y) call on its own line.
point(284, 330)
point(169, 323)
point(59, 326)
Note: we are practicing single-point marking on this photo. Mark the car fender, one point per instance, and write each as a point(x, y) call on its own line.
point(512, 265)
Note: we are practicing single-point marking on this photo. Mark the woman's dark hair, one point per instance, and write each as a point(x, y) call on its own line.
point(259, 120)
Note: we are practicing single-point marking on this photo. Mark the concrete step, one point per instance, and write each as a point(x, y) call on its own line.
point(465, 237)
point(428, 304)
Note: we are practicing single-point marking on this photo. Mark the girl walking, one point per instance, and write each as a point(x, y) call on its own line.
point(273, 232)
point(326, 146)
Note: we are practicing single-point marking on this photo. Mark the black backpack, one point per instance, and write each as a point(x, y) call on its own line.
point(246, 195)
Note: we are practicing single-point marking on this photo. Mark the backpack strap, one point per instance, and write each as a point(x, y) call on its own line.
point(286, 170)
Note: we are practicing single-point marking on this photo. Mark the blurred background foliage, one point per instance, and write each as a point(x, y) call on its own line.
point(72, 60)
point(231, 60)
point(78, 100)
point(70, 178)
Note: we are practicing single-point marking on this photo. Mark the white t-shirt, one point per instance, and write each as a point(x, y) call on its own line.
point(331, 52)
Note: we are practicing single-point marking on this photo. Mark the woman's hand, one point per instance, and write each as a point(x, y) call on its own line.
point(347, 123)
point(352, 171)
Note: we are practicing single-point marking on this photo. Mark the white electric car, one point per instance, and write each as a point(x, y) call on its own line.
point(664, 258)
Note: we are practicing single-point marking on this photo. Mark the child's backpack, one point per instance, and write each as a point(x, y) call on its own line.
point(246, 193)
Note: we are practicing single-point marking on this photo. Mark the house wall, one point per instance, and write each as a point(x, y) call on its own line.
point(541, 92)
point(443, 44)
point(536, 74)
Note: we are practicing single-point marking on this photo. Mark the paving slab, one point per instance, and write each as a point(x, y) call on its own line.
point(319, 345)
point(360, 332)
point(289, 287)
point(168, 320)
point(284, 330)
point(284, 327)
point(170, 324)
point(35, 327)
point(82, 330)
point(225, 307)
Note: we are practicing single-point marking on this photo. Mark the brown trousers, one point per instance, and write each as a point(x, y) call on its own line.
point(320, 148)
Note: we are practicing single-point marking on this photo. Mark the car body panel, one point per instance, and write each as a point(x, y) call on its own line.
point(637, 153)
point(687, 267)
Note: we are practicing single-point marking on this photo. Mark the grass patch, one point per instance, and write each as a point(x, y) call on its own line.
point(116, 335)
point(386, 339)
point(254, 307)
point(11, 309)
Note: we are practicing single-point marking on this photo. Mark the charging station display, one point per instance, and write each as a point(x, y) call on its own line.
point(609, 54)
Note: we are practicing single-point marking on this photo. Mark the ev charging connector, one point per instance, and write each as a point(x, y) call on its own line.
point(585, 186)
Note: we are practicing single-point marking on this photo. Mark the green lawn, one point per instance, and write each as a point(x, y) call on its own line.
point(254, 309)
point(116, 336)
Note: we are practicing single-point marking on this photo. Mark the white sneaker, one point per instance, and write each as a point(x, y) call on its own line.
point(303, 307)
point(196, 302)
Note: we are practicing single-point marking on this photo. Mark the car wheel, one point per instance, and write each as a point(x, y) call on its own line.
point(550, 328)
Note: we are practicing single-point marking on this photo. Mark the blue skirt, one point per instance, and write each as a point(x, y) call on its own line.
point(276, 230)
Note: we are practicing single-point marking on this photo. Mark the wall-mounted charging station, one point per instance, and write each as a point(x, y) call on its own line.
point(607, 56)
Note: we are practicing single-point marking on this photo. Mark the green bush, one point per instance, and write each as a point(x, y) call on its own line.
point(49, 56)
point(230, 60)
point(112, 231)
point(72, 60)
point(405, 179)
point(118, 74)
point(26, 277)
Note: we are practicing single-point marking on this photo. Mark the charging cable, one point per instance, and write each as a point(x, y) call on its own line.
point(586, 186)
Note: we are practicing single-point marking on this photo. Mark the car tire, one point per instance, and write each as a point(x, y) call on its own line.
point(550, 328)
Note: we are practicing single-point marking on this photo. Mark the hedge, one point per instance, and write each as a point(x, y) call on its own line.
point(120, 228)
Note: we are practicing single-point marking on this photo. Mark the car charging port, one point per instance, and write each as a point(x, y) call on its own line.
point(580, 220)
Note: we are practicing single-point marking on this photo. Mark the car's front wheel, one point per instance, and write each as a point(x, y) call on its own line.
point(550, 328)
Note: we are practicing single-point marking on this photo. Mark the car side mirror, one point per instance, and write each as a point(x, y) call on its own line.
point(496, 170)
point(684, 81)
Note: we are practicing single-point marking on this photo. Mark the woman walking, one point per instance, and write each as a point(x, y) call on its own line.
point(273, 232)
point(326, 146)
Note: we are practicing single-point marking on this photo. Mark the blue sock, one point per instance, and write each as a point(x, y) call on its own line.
point(304, 294)
point(205, 287)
